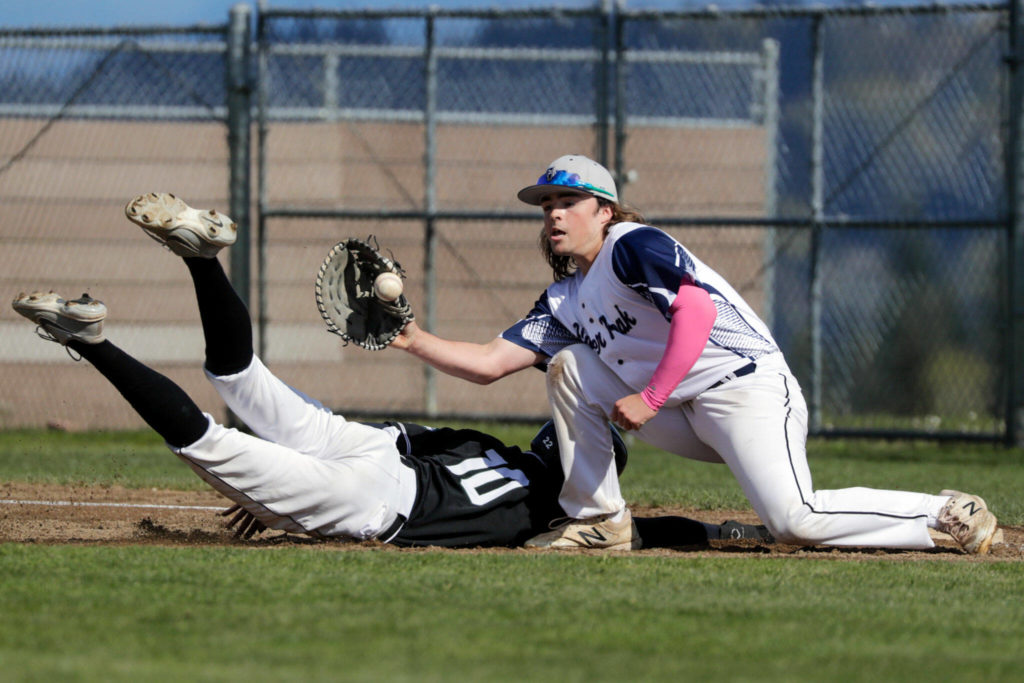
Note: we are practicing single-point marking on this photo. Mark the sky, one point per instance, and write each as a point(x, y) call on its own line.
point(106, 13)
point(109, 13)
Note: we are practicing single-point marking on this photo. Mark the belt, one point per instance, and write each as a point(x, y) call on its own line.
point(388, 534)
point(742, 372)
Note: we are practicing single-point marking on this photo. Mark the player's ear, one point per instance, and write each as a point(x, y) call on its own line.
point(605, 213)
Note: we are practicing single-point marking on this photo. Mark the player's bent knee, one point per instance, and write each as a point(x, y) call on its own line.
point(793, 526)
point(562, 366)
point(574, 359)
point(556, 368)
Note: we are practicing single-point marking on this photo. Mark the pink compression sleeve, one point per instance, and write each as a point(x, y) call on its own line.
point(693, 315)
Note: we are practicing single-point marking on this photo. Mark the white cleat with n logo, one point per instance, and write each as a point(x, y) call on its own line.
point(966, 518)
point(594, 532)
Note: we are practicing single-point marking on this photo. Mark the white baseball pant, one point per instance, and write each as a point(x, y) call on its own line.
point(307, 470)
point(757, 425)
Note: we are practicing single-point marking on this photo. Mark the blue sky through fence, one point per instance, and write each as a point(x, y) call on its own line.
point(107, 13)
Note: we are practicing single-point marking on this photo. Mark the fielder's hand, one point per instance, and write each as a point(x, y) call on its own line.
point(404, 339)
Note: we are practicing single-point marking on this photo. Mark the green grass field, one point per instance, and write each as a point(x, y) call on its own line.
point(319, 612)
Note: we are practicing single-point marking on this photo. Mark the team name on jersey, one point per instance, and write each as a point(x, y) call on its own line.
point(620, 325)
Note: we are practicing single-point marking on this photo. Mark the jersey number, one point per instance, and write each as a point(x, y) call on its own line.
point(477, 473)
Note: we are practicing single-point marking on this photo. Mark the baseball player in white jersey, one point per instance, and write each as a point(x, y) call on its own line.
point(637, 330)
point(305, 469)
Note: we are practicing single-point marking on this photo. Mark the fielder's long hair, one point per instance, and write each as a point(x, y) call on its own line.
point(563, 266)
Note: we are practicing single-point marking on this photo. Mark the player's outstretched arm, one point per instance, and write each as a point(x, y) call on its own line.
point(479, 363)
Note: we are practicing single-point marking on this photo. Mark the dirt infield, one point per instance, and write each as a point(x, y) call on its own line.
point(111, 515)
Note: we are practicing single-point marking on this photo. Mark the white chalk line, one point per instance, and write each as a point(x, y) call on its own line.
point(71, 503)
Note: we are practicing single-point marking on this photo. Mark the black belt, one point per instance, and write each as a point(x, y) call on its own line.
point(742, 372)
point(392, 531)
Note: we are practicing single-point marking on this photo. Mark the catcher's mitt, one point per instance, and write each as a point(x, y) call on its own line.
point(344, 295)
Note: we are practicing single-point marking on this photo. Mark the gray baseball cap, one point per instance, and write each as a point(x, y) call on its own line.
point(572, 172)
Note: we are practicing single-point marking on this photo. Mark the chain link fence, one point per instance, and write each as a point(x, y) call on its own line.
point(844, 169)
point(89, 119)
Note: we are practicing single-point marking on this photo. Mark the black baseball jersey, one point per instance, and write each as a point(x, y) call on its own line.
point(474, 490)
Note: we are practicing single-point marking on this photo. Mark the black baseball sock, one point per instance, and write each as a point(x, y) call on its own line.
point(669, 532)
point(160, 402)
point(227, 327)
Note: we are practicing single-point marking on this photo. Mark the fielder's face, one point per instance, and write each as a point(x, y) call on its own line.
point(574, 225)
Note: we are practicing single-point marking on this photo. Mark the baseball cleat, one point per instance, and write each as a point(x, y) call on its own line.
point(179, 227)
point(594, 532)
point(62, 321)
point(966, 518)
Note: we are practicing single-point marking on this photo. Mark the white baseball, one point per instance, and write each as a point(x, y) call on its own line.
point(387, 287)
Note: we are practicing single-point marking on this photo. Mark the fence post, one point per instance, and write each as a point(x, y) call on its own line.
point(1015, 229)
point(601, 79)
point(618, 43)
point(239, 96)
point(817, 216)
point(769, 74)
point(262, 156)
point(430, 206)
